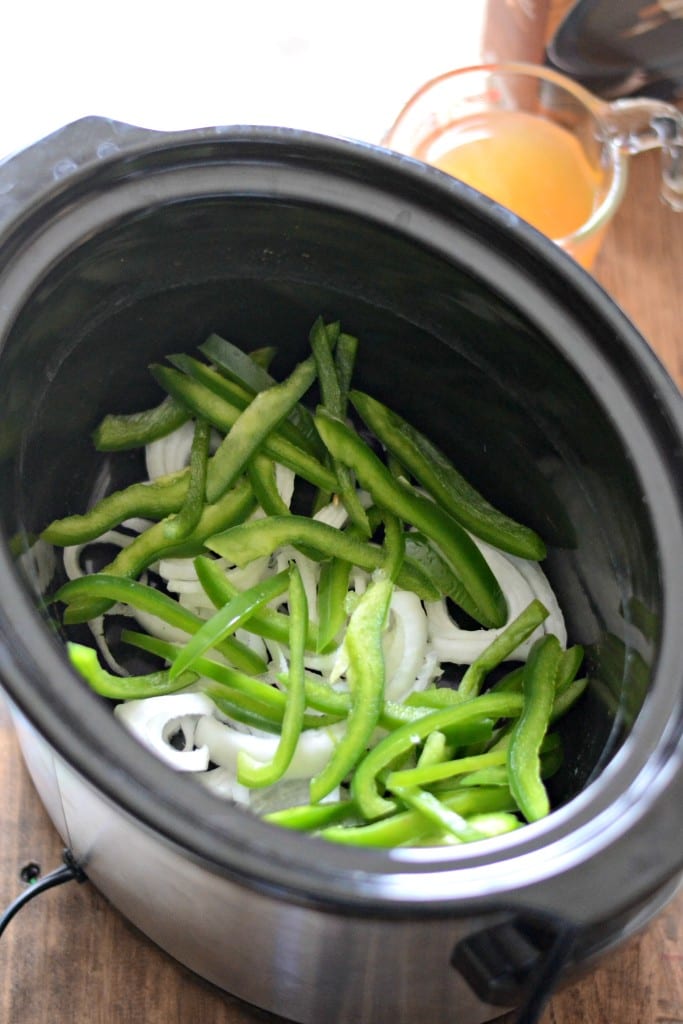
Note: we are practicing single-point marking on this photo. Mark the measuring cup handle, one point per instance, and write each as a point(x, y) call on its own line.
point(637, 125)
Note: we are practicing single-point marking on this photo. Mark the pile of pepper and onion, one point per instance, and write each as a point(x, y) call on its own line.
point(303, 651)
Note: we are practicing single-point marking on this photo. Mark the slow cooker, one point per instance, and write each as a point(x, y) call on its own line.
point(118, 245)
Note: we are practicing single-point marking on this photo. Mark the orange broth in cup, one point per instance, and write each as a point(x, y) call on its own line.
point(533, 166)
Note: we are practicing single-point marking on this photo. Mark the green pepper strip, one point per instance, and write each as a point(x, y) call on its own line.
point(262, 357)
point(138, 595)
point(551, 759)
point(228, 619)
point(310, 817)
point(242, 544)
point(436, 749)
point(422, 551)
point(322, 697)
point(333, 587)
point(363, 641)
point(394, 545)
point(439, 477)
point(261, 473)
point(408, 826)
point(247, 696)
point(239, 396)
point(251, 372)
point(424, 775)
point(134, 430)
point(488, 825)
point(334, 401)
point(152, 544)
point(345, 362)
point(436, 813)
point(264, 622)
point(250, 772)
point(410, 735)
point(255, 430)
point(566, 698)
point(438, 697)
point(514, 634)
point(570, 664)
point(148, 501)
point(253, 425)
point(178, 527)
point(85, 660)
point(528, 733)
point(481, 595)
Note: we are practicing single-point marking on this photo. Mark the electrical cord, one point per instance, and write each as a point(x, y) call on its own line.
point(545, 978)
point(69, 872)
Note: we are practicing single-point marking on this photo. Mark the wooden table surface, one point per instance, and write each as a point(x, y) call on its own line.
point(69, 957)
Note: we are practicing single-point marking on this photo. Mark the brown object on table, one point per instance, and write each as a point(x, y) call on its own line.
point(68, 956)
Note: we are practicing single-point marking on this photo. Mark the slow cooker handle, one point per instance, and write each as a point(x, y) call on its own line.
point(517, 963)
point(29, 174)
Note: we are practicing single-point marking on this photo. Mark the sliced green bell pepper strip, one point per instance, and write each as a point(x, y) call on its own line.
point(152, 544)
point(435, 749)
point(265, 622)
point(228, 619)
point(439, 477)
point(246, 696)
point(335, 401)
point(154, 684)
point(406, 827)
point(178, 527)
point(514, 634)
point(251, 372)
point(240, 396)
point(366, 675)
point(436, 813)
point(242, 544)
point(250, 772)
point(424, 553)
point(253, 425)
point(333, 586)
point(425, 775)
point(407, 737)
point(116, 433)
point(257, 432)
point(345, 353)
point(481, 595)
point(139, 595)
point(146, 501)
point(528, 733)
point(261, 473)
point(310, 817)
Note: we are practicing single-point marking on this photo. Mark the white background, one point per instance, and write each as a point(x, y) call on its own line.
point(340, 66)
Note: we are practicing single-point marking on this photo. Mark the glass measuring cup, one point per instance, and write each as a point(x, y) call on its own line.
point(541, 144)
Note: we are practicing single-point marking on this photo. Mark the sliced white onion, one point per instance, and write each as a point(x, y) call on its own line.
point(540, 587)
point(463, 646)
point(170, 453)
point(155, 720)
point(73, 569)
point(284, 481)
point(333, 514)
point(224, 743)
point(157, 627)
point(310, 574)
point(405, 644)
